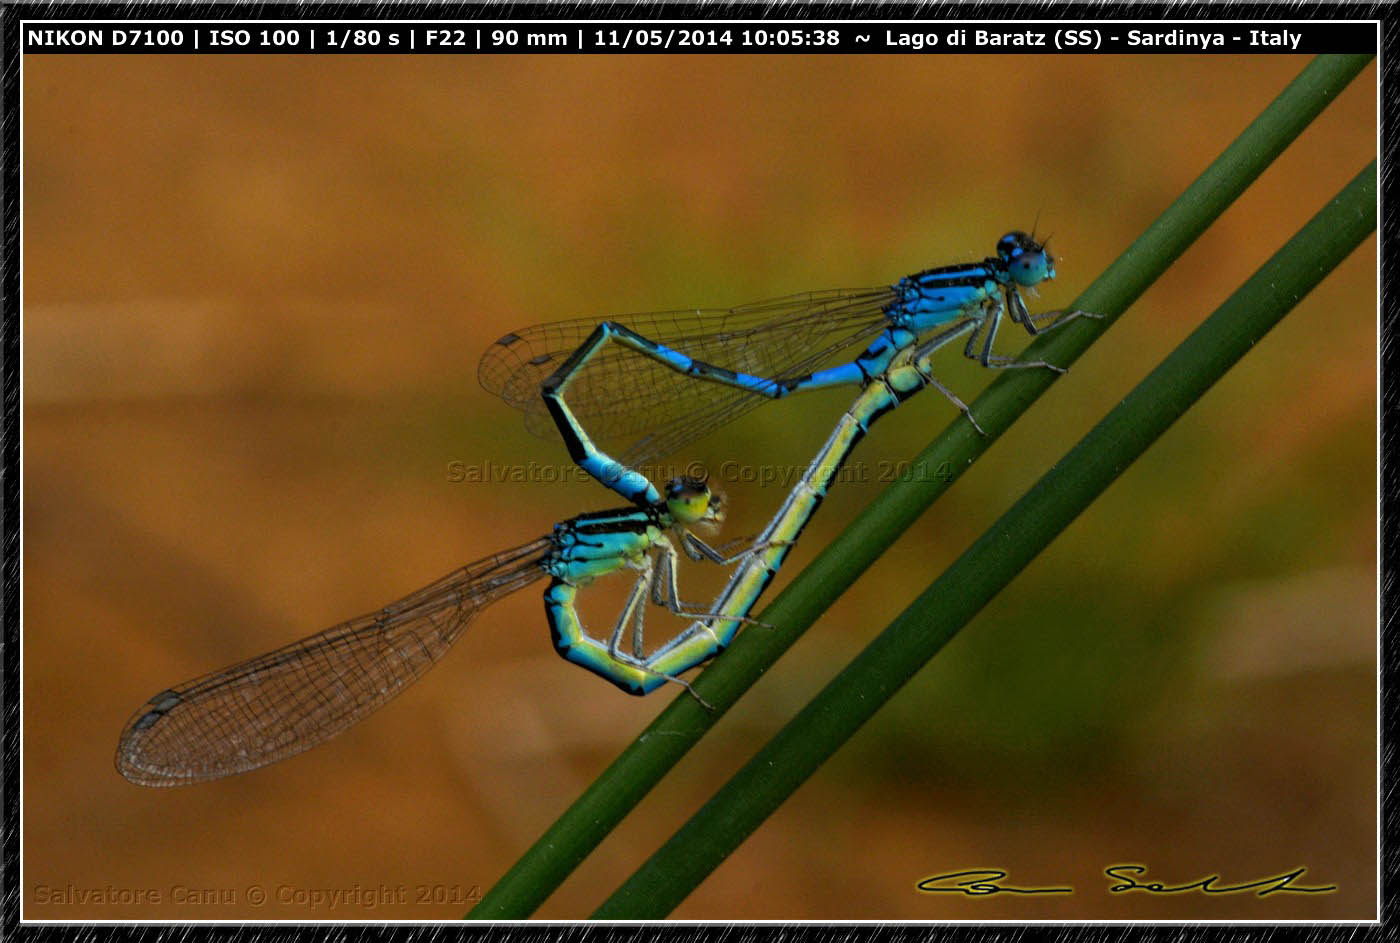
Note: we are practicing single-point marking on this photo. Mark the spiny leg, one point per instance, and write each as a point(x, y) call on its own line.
point(697, 549)
point(1061, 318)
point(653, 576)
point(731, 546)
point(690, 649)
point(991, 322)
point(986, 331)
point(937, 384)
point(924, 352)
point(632, 612)
point(665, 586)
point(1022, 316)
point(689, 689)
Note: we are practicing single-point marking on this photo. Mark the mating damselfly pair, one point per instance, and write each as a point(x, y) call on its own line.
point(653, 383)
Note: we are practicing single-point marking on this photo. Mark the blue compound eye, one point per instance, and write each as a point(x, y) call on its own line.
point(1011, 244)
point(1030, 267)
point(1026, 260)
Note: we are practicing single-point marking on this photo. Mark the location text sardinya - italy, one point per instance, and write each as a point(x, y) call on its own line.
point(1176, 38)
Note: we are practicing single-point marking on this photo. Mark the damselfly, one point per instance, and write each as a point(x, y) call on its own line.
point(661, 374)
point(276, 705)
point(658, 381)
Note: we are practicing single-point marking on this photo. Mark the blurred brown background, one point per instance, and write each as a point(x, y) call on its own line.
point(256, 290)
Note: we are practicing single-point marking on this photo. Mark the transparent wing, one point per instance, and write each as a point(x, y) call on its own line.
point(640, 409)
point(276, 705)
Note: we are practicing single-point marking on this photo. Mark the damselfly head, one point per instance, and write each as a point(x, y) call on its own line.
point(1026, 260)
point(691, 501)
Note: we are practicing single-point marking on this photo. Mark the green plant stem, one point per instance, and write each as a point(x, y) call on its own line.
point(947, 605)
point(619, 788)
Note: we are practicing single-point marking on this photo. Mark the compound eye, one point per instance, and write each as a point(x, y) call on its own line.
point(1029, 267)
point(1012, 244)
point(687, 484)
